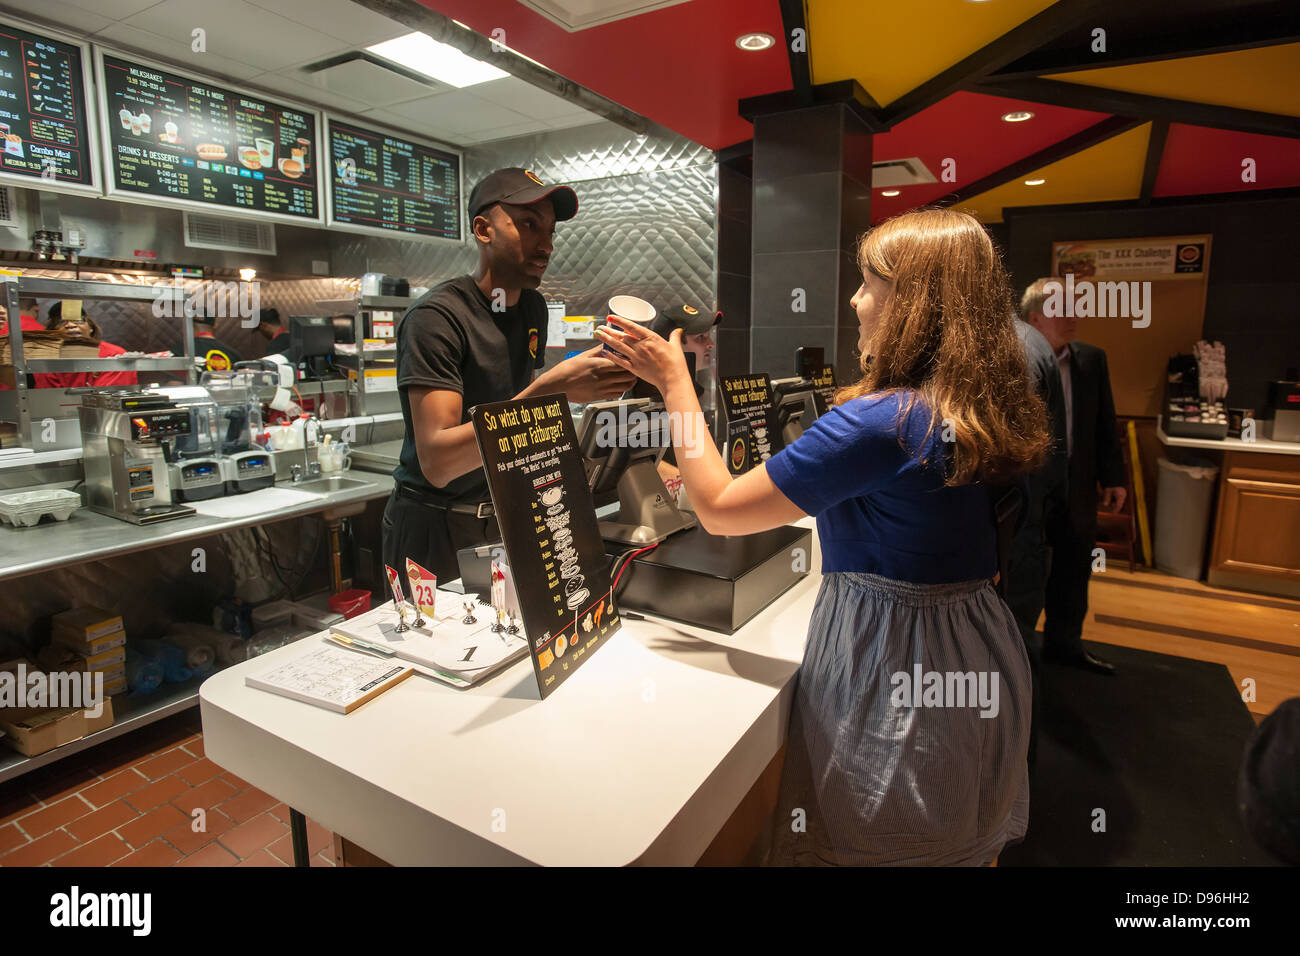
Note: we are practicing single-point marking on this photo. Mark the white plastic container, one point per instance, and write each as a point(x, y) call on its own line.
point(23, 509)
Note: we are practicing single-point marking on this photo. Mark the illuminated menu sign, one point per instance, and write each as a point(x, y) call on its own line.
point(178, 139)
point(381, 182)
point(43, 124)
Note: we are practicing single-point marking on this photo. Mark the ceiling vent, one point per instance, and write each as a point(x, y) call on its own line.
point(576, 15)
point(370, 79)
point(8, 213)
point(900, 172)
point(231, 235)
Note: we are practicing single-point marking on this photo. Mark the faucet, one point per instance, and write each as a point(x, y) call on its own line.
point(308, 468)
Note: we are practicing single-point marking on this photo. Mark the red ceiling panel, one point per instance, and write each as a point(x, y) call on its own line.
point(679, 66)
point(968, 128)
point(1200, 160)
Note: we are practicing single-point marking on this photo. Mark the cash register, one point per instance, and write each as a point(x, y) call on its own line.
point(713, 581)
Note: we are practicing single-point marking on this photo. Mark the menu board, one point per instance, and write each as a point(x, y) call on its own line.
point(186, 141)
point(748, 399)
point(44, 125)
point(382, 183)
point(548, 527)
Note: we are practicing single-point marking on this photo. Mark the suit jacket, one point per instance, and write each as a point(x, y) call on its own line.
point(1048, 485)
point(1095, 455)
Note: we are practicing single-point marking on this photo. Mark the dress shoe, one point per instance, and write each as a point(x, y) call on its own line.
point(1083, 660)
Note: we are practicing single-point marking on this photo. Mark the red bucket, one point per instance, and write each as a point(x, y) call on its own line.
point(350, 603)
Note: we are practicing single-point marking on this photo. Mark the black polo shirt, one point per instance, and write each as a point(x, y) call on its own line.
point(452, 339)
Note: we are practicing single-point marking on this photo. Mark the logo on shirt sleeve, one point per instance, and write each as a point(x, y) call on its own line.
point(532, 342)
point(217, 360)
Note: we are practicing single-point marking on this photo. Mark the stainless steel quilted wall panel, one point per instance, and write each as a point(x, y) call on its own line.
point(646, 223)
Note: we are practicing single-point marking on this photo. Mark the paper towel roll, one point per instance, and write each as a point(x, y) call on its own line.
point(200, 654)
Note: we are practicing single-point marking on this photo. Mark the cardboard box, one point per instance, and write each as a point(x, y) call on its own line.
point(99, 645)
point(34, 730)
point(64, 657)
point(86, 624)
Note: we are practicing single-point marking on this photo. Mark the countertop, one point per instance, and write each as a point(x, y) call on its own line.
point(1260, 445)
point(639, 758)
point(90, 536)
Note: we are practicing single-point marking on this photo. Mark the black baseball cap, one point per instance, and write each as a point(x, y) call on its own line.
point(690, 320)
point(521, 187)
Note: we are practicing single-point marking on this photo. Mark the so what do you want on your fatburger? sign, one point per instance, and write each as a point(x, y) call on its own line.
point(549, 531)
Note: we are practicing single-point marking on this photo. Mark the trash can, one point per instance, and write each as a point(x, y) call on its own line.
point(1183, 516)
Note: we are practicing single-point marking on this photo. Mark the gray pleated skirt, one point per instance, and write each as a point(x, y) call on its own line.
point(909, 730)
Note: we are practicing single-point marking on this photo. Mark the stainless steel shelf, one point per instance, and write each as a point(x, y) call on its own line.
point(344, 306)
point(129, 713)
point(87, 289)
point(109, 364)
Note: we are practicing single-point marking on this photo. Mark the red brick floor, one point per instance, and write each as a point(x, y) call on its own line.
point(147, 798)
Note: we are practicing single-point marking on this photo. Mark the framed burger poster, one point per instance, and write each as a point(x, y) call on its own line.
point(544, 509)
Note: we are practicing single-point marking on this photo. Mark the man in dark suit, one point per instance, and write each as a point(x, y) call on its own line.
point(1095, 460)
point(1030, 557)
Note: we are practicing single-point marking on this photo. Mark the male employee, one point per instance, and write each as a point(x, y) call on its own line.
point(472, 340)
point(210, 353)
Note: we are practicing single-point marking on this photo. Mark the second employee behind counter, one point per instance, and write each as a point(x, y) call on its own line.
point(472, 340)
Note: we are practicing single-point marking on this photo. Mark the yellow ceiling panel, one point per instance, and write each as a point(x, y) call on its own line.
point(892, 48)
point(1265, 79)
point(1109, 171)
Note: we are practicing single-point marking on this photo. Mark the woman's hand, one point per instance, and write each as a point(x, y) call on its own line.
point(657, 360)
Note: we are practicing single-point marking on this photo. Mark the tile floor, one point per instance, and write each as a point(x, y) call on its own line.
point(131, 802)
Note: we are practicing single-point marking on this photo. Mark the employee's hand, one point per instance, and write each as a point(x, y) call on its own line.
point(653, 358)
point(1112, 499)
point(587, 377)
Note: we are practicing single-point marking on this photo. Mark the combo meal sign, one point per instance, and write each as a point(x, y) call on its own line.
point(548, 528)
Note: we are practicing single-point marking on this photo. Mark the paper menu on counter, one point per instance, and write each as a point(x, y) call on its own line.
point(445, 647)
point(333, 678)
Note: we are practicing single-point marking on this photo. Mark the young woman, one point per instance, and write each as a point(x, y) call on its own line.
point(880, 767)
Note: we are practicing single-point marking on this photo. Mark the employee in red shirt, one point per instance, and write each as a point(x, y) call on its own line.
point(86, 327)
point(27, 322)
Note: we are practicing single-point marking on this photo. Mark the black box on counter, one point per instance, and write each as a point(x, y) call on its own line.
point(713, 581)
point(1194, 417)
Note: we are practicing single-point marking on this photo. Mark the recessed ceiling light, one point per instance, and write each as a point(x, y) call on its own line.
point(891, 192)
point(424, 54)
point(248, 275)
point(755, 41)
point(1017, 116)
point(1035, 182)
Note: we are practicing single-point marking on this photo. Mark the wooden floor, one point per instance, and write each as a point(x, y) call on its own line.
point(1255, 636)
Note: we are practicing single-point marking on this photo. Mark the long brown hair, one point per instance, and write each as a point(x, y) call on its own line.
point(946, 334)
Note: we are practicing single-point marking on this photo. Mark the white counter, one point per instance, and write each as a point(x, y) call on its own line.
point(1262, 445)
point(639, 758)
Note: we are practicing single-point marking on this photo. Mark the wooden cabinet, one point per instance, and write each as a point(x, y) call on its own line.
point(1257, 533)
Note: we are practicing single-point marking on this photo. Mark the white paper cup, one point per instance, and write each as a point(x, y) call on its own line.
point(632, 308)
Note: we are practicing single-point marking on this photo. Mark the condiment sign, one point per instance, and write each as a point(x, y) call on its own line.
point(548, 528)
point(46, 131)
point(748, 399)
point(178, 139)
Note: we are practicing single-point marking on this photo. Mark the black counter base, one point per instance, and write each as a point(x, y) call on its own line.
point(713, 581)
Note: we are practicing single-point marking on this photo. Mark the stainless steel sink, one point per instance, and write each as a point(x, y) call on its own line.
point(329, 484)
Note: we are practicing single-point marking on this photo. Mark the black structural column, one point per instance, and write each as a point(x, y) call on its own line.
point(812, 201)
